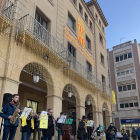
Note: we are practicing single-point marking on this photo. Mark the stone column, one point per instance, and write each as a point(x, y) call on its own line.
point(100, 117)
point(8, 86)
point(80, 111)
point(95, 117)
point(108, 119)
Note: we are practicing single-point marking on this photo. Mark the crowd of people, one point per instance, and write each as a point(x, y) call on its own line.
point(84, 132)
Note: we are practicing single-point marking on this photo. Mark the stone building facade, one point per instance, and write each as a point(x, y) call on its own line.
point(64, 43)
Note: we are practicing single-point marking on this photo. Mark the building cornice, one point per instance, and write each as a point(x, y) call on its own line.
point(94, 2)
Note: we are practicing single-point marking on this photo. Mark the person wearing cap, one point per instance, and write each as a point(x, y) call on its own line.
point(82, 129)
point(59, 127)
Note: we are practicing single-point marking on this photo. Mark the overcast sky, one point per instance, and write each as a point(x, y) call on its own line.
point(123, 17)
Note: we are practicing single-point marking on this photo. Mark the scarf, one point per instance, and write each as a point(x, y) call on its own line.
point(13, 104)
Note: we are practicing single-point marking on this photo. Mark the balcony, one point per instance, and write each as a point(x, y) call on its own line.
point(6, 14)
point(106, 91)
point(30, 28)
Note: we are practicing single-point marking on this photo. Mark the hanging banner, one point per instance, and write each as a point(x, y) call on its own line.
point(44, 121)
point(114, 99)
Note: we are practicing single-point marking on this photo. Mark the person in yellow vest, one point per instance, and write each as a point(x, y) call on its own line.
point(28, 128)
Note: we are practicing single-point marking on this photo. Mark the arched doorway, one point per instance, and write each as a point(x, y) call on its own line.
point(90, 109)
point(105, 112)
point(34, 93)
point(70, 101)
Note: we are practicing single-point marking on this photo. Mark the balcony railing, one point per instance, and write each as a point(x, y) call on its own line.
point(107, 90)
point(7, 8)
point(31, 25)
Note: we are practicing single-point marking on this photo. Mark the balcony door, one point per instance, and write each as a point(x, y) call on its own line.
point(40, 32)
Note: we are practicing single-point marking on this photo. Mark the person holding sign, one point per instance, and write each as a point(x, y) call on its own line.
point(59, 125)
point(49, 132)
point(27, 125)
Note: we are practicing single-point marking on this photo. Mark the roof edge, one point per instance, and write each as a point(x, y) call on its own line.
point(95, 2)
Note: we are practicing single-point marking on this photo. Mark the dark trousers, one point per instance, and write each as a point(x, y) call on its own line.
point(138, 138)
point(9, 131)
point(26, 135)
point(84, 137)
point(35, 133)
point(47, 138)
point(59, 133)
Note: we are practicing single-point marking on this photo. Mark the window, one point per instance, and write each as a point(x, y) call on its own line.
point(96, 17)
point(126, 105)
point(102, 59)
point(71, 22)
point(71, 49)
point(103, 79)
point(131, 104)
point(127, 72)
point(129, 55)
point(136, 104)
point(74, 1)
point(33, 104)
point(122, 73)
point(121, 105)
point(80, 9)
point(100, 23)
point(120, 88)
point(88, 43)
point(133, 86)
point(128, 87)
point(89, 66)
point(101, 39)
point(39, 18)
point(117, 59)
point(132, 71)
point(125, 56)
point(121, 57)
point(124, 88)
point(86, 18)
point(118, 74)
point(103, 29)
point(90, 25)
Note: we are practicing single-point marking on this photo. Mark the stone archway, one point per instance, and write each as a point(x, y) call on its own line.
point(90, 110)
point(70, 104)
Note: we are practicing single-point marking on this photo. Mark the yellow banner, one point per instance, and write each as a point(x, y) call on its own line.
point(44, 121)
point(114, 99)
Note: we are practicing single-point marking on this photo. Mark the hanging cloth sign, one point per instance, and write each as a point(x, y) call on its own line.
point(44, 121)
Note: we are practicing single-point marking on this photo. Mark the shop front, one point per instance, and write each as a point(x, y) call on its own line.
point(130, 124)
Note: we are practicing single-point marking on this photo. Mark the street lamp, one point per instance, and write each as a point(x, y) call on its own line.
point(69, 94)
point(103, 109)
point(88, 102)
point(36, 77)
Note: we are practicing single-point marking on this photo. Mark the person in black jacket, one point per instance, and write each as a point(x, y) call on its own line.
point(111, 129)
point(98, 132)
point(82, 129)
point(49, 133)
point(36, 127)
point(27, 129)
